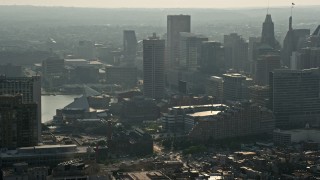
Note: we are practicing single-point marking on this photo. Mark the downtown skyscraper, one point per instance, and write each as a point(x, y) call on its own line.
point(129, 44)
point(29, 88)
point(175, 25)
point(294, 97)
point(267, 35)
point(153, 67)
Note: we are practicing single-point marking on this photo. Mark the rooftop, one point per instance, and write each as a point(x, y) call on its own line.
point(204, 113)
point(199, 106)
point(75, 60)
point(234, 75)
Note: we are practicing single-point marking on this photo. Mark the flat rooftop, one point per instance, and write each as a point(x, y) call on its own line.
point(147, 175)
point(75, 60)
point(234, 75)
point(49, 146)
point(204, 113)
point(27, 151)
point(199, 106)
point(295, 131)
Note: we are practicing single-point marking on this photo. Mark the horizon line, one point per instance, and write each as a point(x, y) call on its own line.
point(218, 8)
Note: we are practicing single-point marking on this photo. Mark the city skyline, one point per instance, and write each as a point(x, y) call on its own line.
point(161, 4)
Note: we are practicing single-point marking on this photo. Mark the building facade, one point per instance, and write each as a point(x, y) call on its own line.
point(153, 67)
point(236, 52)
point(129, 44)
point(18, 122)
point(122, 75)
point(175, 25)
point(264, 65)
point(28, 87)
point(235, 87)
point(214, 87)
point(190, 49)
point(212, 58)
point(294, 97)
point(240, 119)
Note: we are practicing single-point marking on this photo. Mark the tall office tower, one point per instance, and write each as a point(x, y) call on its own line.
point(212, 58)
point(28, 87)
point(129, 45)
point(153, 67)
point(235, 87)
point(294, 97)
point(264, 65)
point(190, 49)
point(175, 25)
point(292, 41)
point(236, 52)
point(267, 36)
point(254, 42)
point(86, 50)
point(18, 122)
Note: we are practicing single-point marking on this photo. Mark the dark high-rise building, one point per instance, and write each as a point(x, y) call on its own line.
point(10, 70)
point(129, 45)
point(190, 49)
point(86, 50)
point(236, 52)
point(175, 25)
point(259, 95)
point(235, 87)
point(28, 87)
point(153, 67)
point(253, 44)
point(212, 58)
point(292, 41)
point(294, 97)
point(264, 65)
point(85, 74)
point(122, 75)
point(18, 122)
point(267, 36)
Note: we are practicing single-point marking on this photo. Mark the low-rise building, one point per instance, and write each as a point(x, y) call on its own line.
point(77, 169)
point(286, 137)
point(21, 171)
point(145, 175)
point(240, 119)
point(174, 120)
point(46, 155)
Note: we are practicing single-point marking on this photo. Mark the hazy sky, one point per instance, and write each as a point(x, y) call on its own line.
point(161, 3)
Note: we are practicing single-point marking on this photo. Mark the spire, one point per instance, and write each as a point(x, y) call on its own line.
point(290, 23)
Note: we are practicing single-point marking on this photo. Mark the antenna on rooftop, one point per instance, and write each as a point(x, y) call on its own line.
point(268, 7)
point(292, 6)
